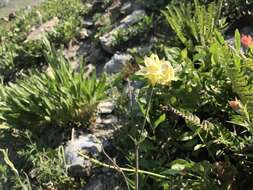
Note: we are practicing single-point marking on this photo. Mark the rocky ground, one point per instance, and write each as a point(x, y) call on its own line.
point(104, 55)
point(108, 43)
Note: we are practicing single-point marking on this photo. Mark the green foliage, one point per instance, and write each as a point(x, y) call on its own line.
point(14, 49)
point(3, 176)
point(20, 182)
point(220, 134)
point(194, 25)
point(48, 168)
point(240, 73)
point(132, 32)
point(154, 4)
point(45, 168)
point(191, 134)
point(191, 175)
point(58, 97)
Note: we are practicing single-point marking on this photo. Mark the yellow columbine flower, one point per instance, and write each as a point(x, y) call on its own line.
point(157, 71)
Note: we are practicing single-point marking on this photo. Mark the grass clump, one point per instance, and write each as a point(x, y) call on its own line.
point(60, 96)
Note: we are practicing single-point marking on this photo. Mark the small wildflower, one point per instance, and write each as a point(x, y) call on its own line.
point(157, 71)
point(235, 104)
point(247, 40)
point(50, 72)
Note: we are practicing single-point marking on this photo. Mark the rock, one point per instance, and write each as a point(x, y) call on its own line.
point(133, 18)
point(94, 55)
point(104, 20)
point(77, 165)
point(114, 10)
point(117, 62)
point(100, 135)
point(45, 27)
point(88, 23)
point(106, 107)
point(108, 39)
point(107, 180)
point(3, 3)
point(111, 119)
point(126, 7)
point(93, 4)
point(86, 50)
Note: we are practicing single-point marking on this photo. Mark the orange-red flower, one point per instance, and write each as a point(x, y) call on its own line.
point(247, 40)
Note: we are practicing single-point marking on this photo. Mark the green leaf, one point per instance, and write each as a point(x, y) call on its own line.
point(161, 119)
point(2, 126)
point(237, 40)
point(184, 53)
point(199, 146)
point(186, 136)
point(170, 172)
point(180, 164)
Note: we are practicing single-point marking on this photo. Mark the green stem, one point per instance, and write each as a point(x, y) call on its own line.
point(123, 169)
point(138, 141)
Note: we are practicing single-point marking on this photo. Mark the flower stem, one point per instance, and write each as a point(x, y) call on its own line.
point(137, 171)
point(121, 168)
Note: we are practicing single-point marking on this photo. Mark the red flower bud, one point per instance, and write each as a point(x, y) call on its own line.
point(234, 104)
point(246, 40)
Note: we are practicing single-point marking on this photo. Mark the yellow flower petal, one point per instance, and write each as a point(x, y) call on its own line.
point(158, 71)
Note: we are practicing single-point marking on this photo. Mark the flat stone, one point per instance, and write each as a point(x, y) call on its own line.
point(117, 63)
point(126, 7)
point(134, 17)
point(114, 10)
point(45, 27)
point(76, 164)
point(88, 23)
point(108, 39)
point(106, 107)
point(3, 3)
point(105, 180)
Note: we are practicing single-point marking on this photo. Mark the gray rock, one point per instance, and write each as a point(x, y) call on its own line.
point(126, 7)
point(88, 23)
point(114, 10)
point(3, 3)
point(133, 18)
point(95, 55)
point(92, 4)
point(108, 39)
point(77, 165)
point(106, 107)
point(117, 62)
point(39, 32)
point(106, 180)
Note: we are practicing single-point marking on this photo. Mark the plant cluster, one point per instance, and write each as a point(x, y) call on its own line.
point(17, 52)
point(60, 96)
point(125, 35)
point(187, 108)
